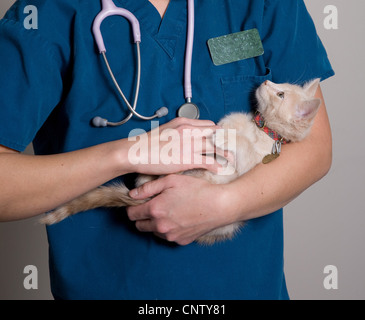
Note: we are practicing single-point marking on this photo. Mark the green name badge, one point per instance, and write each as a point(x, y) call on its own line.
point(235, 47)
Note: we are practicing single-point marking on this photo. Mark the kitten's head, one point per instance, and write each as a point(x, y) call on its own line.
point(288, 109)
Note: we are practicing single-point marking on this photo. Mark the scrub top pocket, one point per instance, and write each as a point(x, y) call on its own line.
point(239, 91)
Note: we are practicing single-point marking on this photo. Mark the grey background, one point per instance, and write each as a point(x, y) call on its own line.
point(324, 226)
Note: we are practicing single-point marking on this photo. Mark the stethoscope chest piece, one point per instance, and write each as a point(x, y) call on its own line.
point(189, 110)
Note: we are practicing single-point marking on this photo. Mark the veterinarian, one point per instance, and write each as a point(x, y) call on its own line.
point(53, 81)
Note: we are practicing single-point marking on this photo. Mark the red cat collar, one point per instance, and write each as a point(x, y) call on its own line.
point(260, 122)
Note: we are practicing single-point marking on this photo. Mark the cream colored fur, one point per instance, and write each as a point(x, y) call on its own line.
point(288, 109)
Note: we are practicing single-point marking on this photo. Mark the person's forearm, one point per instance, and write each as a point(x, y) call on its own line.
point(267, 188)
point(31, 185)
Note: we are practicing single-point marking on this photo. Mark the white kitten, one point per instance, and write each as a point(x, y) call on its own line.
point(285, 113)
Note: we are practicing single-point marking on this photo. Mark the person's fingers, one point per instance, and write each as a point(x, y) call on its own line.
point(139, 213)
point(228, 155)
point(152, 188)
point(185, 121)
point(145, 225)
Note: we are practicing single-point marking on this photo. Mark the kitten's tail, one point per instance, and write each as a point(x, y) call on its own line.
point(116, 195)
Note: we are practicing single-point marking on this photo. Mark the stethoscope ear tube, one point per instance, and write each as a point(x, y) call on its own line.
point(120, 90)
point(110, 9)
point(100, 122)
point(188, 109)
point(189, 51)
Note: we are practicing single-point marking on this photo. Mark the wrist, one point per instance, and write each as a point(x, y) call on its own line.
point(230, 203)
point(119, 157)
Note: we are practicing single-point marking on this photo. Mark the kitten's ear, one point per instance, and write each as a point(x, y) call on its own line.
point(311, 87)
point(307, 110)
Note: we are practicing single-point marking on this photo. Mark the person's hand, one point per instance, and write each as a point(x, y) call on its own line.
point(184, 209)
point(177, 146)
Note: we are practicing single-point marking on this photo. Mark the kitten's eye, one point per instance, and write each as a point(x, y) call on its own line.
point(281, 94)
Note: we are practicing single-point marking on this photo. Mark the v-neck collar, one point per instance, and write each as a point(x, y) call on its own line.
point(167, 30)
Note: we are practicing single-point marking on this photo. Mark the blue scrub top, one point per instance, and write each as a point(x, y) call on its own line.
point(53, 82)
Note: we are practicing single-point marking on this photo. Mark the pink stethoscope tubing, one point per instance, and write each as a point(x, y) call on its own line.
point(110, 9)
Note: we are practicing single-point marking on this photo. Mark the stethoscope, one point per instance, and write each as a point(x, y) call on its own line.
point(188, 109)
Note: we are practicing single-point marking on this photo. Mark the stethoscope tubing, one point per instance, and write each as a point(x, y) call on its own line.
point(110, 9)
point(131, 108)
point(189, 51)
